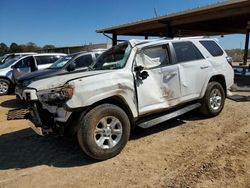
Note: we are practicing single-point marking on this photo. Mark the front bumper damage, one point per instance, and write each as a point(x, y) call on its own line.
point(45, 119)
point(36, 122)
point(19, 92)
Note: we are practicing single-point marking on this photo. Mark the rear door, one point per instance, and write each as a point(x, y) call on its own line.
point(193, 67)
point(161, 89)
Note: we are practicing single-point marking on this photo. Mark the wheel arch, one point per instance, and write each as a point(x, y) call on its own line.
point(216, 78)
point(115, 100)
point(11, 86)
point(6, 78)
point(220, 79)
point(120, 102)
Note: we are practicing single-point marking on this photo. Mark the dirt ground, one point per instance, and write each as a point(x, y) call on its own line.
point(190, 151)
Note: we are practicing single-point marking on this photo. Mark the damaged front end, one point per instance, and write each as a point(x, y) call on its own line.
point(47, 112)
point(56, 96)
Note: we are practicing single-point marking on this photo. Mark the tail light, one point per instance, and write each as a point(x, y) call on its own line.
point(229, 60)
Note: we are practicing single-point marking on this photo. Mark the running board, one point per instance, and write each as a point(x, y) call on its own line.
point(171, 115)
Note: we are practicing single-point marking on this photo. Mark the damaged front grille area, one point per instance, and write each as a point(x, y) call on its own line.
point(44, 120)
point(28, 96)
point(41, 120)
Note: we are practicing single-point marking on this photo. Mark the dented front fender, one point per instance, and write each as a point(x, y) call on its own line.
point(89, 90)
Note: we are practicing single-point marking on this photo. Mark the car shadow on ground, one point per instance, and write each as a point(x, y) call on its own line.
point(24, 149)
point(140, 132)
point(12, 103)
point(193, 116)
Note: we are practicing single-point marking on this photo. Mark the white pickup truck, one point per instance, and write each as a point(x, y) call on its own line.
point(135, 83)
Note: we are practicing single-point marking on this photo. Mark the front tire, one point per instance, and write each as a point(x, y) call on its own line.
point(103, 131)
point(4, 86)
point(214, 100)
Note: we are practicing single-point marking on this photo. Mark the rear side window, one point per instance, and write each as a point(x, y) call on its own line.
point(83, 61)
point(43, 60)
point(186, 51)
point(212, 47)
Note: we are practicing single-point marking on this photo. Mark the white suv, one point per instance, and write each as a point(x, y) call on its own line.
point(136, 83)
point(20, 65)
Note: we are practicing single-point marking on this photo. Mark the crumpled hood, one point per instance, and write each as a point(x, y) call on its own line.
point(57, 81)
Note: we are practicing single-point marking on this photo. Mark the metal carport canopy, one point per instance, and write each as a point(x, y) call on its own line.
point(217, 19)
point(227, 17)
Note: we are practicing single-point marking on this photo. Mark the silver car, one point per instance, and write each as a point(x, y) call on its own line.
point(17, 66)
point(7, 57)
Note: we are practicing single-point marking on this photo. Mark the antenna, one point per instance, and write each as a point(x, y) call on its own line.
point(155, 12)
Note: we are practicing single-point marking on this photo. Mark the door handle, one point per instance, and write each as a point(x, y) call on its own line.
point(172, 73)
point(204, 67)
point(169, 75)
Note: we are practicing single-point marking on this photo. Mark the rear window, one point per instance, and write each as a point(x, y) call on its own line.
point(212, 47)
point(186, 51)
point(43, 60)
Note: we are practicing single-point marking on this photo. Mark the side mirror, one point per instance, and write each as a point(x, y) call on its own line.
point(71, 67)
point(141, 74)
point(138, 68)
point(144, 75)
point(13, 67)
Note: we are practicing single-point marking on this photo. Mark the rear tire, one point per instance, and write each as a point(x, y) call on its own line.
point(103, 131)
point(213, 100)
point(4, 86)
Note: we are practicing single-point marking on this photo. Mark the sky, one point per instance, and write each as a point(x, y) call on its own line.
point(73, 22)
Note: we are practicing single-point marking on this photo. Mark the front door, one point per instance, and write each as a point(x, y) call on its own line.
point(23, 66)
point(161, 89)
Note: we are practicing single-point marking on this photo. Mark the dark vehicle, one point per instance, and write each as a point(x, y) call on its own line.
point(72, 63)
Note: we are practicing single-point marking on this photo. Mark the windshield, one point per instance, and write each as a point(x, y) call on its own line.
point(114, 58)
point(5, 57)
point(61, 62)
point(8, 62)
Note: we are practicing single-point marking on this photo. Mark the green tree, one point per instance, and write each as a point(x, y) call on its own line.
point(48, 46)
point(31, 47)
point(3, 49)
point(14, 48)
